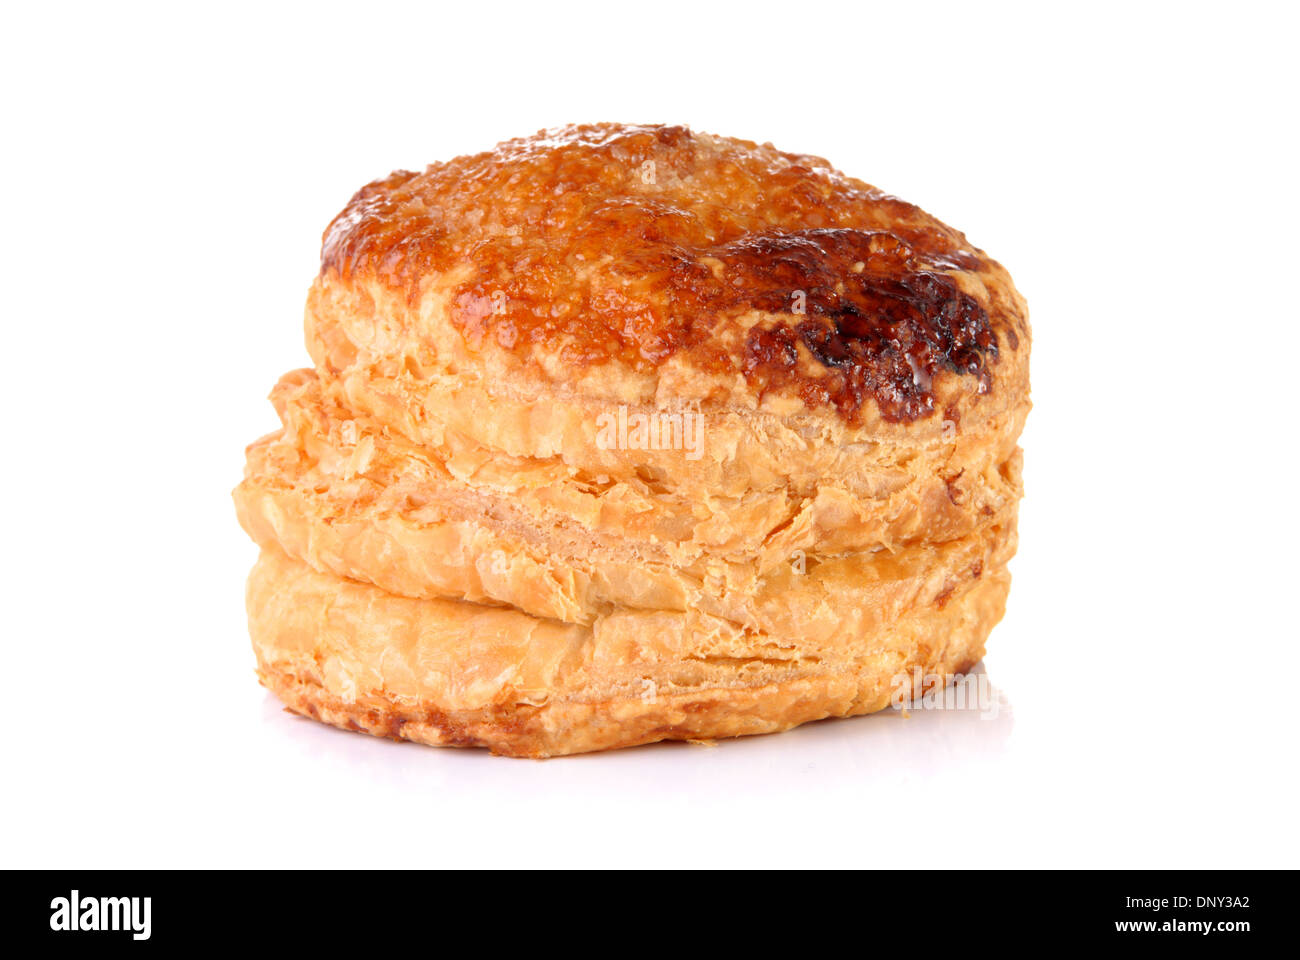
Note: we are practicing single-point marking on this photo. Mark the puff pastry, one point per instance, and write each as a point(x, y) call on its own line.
point(464, 543)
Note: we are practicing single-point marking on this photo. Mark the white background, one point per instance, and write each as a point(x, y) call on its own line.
point(167, 175)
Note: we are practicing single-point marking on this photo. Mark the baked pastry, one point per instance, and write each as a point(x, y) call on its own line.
point(624, 433)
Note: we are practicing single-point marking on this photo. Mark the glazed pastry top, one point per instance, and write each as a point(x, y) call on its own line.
point(631, 247)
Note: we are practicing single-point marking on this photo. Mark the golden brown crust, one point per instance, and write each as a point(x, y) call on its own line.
point(592, 254)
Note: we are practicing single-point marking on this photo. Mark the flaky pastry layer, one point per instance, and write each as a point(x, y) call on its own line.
point(461, 521)
point(447, 672)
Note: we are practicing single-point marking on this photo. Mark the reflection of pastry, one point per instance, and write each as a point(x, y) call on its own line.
point(622, 409)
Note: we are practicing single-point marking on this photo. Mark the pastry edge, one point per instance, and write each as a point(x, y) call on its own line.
point(568, 727)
